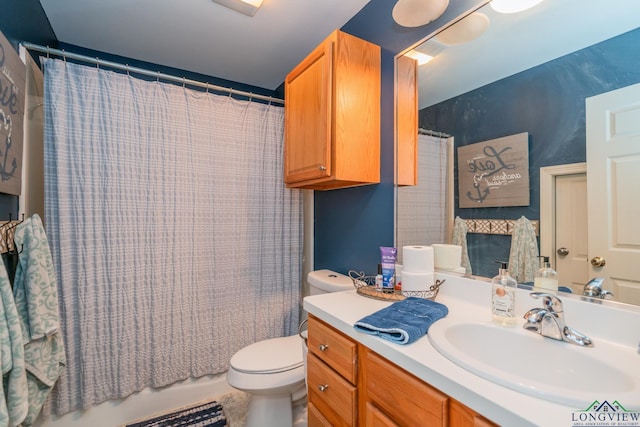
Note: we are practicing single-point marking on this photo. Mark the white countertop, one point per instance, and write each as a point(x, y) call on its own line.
point(471, 299)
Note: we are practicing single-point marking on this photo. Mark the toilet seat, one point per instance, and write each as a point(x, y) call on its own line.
point(269, 356)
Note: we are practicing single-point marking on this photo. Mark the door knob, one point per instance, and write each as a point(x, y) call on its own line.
point(563, 251)
point(598, 261)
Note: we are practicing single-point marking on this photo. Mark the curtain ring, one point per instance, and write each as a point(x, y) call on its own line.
point(184, 79)
point(230, 92)
point(126, 66)
point(158, 77)
point(207, 87)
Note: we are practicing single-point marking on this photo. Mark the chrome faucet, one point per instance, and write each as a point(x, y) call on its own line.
point(594, 288)
point(548, 321)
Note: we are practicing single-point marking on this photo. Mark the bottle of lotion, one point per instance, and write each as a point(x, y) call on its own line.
point(546, 278)
point(503, 297)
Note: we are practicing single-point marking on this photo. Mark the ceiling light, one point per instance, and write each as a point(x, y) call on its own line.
point(247, 7)
point(422, 58)
point(512, 6)
point(414, 13)
point(465, 30)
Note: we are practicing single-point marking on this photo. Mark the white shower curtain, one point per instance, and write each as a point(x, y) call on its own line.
point(174, 239)
point(422, 209)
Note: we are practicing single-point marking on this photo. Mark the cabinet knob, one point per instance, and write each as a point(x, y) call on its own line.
point(323, 347)
point(322, 168)
point(323, 387)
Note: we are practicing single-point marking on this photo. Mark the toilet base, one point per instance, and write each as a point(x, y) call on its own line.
point(269, 410)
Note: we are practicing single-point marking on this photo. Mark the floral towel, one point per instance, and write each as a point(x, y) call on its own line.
point(36, 299)
point(460, 239)
point(523, 257)
point(14, 405)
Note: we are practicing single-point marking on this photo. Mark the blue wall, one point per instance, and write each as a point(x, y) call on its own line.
point(352, 223)
point(548, 102)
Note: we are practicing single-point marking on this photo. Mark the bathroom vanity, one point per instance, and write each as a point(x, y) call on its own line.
point(359, 379)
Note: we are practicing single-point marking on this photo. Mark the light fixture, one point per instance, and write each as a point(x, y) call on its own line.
point(465, 30)
point(513, 6)
point(422, 58)
point(414, 13)
point(246, 7)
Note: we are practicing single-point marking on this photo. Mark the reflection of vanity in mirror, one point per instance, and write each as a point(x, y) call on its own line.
point(531, 72)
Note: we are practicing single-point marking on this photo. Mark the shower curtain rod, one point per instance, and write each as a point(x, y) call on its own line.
point(433, 133)
point(142, 71)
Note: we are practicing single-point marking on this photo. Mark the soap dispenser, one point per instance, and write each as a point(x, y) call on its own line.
point(546, 278)
point(503, 297)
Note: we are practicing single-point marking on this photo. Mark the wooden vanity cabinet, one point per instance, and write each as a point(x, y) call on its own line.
point(332, 116)
point(350, 385)
point(406, 121)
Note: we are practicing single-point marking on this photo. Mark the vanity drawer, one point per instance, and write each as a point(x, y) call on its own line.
point(402, 397)
point(330, 394)
point(332, 347)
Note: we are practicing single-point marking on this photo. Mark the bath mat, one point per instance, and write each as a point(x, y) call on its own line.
point(206, 415)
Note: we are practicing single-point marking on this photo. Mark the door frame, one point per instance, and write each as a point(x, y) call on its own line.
point(548, 175)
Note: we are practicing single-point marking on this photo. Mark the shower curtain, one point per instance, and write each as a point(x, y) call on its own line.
point(422, 208)
point(174, 239)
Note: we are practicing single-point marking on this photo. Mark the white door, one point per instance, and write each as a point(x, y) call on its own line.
point(613, 180)
point(572, 250)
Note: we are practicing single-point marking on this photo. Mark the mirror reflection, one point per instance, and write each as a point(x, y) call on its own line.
point(495, 75)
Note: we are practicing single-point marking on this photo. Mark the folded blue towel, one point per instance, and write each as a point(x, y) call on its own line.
point(404, 321)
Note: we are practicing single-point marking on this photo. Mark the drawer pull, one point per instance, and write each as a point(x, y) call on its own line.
point(323, 387)
point(323, 347)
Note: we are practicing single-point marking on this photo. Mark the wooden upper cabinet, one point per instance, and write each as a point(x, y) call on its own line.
point(332, 116)
point(406, 121)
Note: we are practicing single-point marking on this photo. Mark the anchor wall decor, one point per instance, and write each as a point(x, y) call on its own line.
point(494, 173)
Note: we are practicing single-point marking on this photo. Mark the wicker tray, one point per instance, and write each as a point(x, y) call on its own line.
point(365, 286)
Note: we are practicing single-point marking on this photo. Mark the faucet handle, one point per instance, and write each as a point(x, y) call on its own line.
point(550, 302)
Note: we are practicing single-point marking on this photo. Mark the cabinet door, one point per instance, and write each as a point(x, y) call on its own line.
point(307, 115)
point(407, 400)
point(406, 121)
point(463, 416)
point(374, 417)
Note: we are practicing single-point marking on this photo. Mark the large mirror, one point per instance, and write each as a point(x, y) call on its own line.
point(495, 75)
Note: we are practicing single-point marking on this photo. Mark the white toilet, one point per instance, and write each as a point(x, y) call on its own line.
point(273, 370)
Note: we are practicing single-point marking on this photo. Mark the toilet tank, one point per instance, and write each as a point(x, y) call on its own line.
point(325, 281)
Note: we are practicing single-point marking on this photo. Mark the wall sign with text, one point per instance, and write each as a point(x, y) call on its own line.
point(12, 98)
point(494, 173)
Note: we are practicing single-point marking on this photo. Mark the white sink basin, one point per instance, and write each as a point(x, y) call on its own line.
point(542, 367)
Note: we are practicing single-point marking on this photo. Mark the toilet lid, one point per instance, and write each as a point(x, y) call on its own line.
point(269, 356)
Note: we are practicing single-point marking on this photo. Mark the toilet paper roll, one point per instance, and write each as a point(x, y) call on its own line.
point(447, 256)
point(417, 259)
point(417, 281)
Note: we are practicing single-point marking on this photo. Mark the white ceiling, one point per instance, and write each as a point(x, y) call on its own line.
point(517, 42)
point(203, 36)
point(207, 38)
